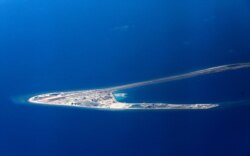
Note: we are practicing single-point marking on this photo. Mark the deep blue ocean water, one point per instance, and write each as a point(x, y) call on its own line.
point(80, 44)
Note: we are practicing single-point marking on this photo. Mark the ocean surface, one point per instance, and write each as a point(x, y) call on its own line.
point(63, 45)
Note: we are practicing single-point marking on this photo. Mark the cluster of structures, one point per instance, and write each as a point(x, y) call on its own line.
point(89, 99)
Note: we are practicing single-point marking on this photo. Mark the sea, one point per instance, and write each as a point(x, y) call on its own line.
point(64, 45)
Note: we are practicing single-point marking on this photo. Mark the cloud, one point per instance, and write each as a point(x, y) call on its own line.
point(125, 27)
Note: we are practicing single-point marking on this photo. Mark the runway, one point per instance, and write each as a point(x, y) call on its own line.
point(207, 71)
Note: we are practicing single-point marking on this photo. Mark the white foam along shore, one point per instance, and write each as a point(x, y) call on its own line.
point(104, 98)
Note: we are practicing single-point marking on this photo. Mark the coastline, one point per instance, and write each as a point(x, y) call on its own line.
point(105, 98)
point(115, 105)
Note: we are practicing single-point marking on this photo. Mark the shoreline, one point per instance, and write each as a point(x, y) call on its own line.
point(116, 105)
point(105, 99)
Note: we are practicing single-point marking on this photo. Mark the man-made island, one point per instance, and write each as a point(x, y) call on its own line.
point(105, 98)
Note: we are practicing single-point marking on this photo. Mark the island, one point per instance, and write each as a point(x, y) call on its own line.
point(106, 98)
